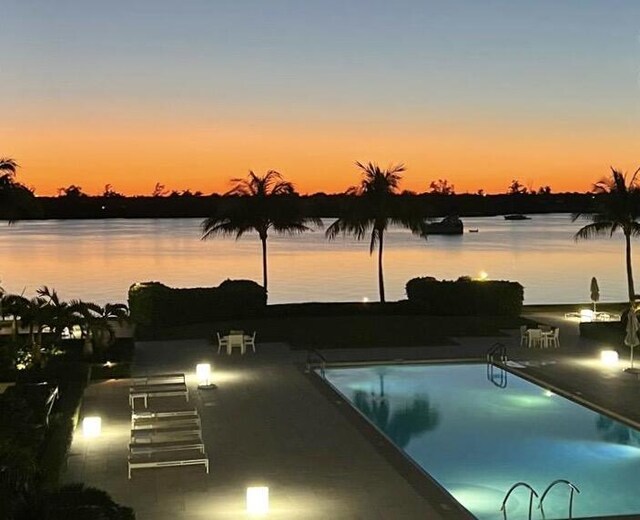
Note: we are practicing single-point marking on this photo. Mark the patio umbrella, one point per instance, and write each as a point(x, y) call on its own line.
point(631, 338)
point(595, 292)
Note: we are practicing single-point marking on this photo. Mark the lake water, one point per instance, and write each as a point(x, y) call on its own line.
point(99, 259)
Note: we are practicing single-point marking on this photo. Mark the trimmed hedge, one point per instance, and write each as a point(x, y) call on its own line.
point(466, 297)
point(155, 304)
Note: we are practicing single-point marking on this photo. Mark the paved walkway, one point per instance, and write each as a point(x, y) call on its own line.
point(267, 423)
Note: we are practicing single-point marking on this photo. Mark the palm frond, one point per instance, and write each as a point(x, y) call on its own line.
point(634, 229)
point(358, 228)
point(593, 230)
point(8, 166)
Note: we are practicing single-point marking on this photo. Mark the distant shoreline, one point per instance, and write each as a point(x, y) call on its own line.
point(317, 205)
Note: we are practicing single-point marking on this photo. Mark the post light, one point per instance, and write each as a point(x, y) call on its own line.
point(586, 315)
point(203, 373)
point(91, 427)
point(609, 357)
point(257, 500)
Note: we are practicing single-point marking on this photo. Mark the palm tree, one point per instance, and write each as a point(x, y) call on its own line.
point(263, 204)
point(373, 211)
point(61, 312)
point(618, 208)
point(14, 305)
point(97, 320)
point(16, 200)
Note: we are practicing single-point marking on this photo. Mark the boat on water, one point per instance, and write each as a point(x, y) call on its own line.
point(451, 225)
point(474, 230)
point(516, 216)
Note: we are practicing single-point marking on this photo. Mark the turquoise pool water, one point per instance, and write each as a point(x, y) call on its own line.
point(477, 439)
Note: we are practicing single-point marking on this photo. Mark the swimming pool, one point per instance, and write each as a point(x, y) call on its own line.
point(477, 438)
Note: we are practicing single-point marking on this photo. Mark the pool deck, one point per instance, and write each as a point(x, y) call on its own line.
point(269, 423)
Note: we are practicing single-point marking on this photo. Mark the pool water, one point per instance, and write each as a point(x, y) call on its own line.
point(477, 438)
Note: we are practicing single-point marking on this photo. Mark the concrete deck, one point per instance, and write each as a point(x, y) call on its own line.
point(264, 424)
point(268, 424)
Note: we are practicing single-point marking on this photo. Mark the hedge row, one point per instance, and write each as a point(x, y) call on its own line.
point(155, 304)
point(466, 297)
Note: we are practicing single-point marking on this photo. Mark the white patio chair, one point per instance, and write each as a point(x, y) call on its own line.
point(223, 342)
point(250, 341)
point(524, 337)
point(235, 341)
point(535, 338)
point(552, 340)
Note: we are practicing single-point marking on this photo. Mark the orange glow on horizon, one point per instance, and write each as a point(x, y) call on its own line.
point(133, 155)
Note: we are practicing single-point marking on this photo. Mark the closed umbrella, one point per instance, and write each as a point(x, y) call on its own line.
point(595, 292)
point(631, 338)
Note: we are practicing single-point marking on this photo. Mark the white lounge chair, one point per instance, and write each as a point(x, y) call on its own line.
point(150, 448)
point(165, 422)
point(167, 459)
point(145, 392)
point(166, 434)
point(149, 414)
point(250, 341)
point(160, 379)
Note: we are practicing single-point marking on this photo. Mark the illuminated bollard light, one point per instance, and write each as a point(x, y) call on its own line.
point(609, 357)
point(258, 500)
point(586, 315)
point(203, 374)
point(91, 427)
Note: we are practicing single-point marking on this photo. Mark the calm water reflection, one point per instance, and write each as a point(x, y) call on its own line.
point(98, 260)
point(406, 420)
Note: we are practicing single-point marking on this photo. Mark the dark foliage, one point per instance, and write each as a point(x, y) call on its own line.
point(466, 297)
point(153, 303)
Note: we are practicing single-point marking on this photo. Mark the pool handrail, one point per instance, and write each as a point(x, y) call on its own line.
point(497, 349)
point(323, 361)
point(559, 481)
point(511, 489)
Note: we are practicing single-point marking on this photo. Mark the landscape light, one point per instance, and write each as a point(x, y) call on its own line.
point(483, 275)
point(203, 373)
point(609, 357)
point(365, 300)
point(586, 315)
point(258, 500)
point(548, 393)
point(91, 427)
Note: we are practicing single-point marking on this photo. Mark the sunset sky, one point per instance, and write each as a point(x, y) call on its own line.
point(191, 93)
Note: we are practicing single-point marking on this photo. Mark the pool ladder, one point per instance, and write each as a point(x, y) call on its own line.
point(498, 352)
point(532, 493)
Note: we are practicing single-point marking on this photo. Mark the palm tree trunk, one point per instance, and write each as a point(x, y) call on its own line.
point(380, 275)
point(264, 262)
point(630, 285)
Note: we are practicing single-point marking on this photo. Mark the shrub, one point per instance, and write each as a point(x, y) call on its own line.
point(466, 297)
point(155, 304)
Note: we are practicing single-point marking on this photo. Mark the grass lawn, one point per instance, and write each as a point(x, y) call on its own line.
point(351, 331)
